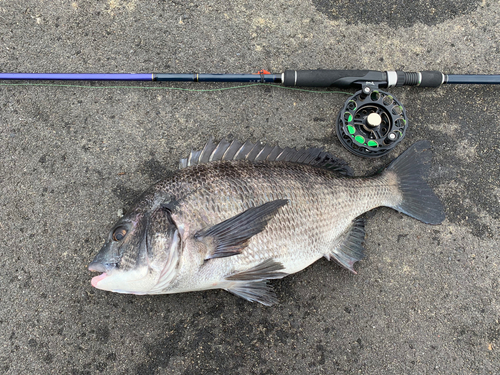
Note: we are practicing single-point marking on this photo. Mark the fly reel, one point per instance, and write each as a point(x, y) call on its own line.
point(371, 123)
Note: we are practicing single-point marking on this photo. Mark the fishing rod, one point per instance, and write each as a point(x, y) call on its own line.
point(371, 122)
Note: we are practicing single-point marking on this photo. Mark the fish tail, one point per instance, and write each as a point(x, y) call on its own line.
point(416, 197)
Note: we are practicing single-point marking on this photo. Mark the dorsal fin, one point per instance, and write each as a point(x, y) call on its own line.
point(236, 150)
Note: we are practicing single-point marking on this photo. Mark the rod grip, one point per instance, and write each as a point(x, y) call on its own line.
point(431, 79)
point(331, 78)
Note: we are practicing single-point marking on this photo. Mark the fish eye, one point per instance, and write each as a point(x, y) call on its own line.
point(119, 234)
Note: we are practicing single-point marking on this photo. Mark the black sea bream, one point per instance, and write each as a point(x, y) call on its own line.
point(236, 215)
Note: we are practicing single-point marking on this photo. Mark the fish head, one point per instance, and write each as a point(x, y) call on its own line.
point(140, 255)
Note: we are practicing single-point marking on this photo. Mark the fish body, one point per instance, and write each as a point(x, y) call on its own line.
point(236, 215)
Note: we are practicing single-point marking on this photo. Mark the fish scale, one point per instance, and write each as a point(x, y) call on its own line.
point(234, 224)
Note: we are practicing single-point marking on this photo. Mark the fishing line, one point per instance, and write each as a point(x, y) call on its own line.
point(175, 88)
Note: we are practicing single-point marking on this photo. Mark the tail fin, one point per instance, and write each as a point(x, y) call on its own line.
point(418, 199)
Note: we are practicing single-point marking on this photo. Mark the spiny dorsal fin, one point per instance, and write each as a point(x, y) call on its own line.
point(236, 150)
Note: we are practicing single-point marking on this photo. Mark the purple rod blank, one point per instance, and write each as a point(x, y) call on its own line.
point(79, 76)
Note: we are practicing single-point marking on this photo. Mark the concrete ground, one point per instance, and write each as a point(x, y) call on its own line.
point(424, 301)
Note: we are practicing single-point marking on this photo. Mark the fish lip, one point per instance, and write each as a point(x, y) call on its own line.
point(95, 280)
point(97, 267)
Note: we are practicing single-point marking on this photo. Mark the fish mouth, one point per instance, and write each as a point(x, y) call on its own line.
point(98, 267)
point(95, 280)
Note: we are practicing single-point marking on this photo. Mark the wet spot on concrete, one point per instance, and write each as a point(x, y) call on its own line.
point(215, 310)
point(48, 358)
point(127, 195)
point(282, 336)
point(102, 334)
point(360, 343)
point(469, 189)
point(5, 363)
point(395, 12)
point(155, 170)
point(80, 372)
point(214, 345)
point(101, 366)
point(402, 236)
point(159, 354)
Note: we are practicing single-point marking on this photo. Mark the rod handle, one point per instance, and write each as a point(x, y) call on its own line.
point(431, 79)
point(332, 78)
point(356, 78)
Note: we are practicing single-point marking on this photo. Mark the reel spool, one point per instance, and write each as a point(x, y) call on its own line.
point(371, 123)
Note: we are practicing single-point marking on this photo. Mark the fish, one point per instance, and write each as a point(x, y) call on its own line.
point(236, 215)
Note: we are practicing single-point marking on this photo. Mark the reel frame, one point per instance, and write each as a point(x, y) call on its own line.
point(371, 123)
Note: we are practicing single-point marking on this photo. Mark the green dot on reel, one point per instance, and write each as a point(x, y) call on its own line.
point(348, 116)
point(372, 143)
point(351, 129)
point(359, 139)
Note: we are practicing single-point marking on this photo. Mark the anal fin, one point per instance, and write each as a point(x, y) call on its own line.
point(252, 283)
point(349, 247)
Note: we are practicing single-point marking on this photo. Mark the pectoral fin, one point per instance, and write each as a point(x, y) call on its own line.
point(252, 283)
point(231, 236)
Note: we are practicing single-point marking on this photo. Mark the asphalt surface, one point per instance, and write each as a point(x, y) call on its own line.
point(424, 301)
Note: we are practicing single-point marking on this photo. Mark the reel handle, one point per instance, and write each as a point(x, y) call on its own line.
point(356, 78)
